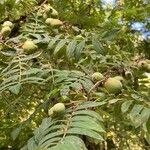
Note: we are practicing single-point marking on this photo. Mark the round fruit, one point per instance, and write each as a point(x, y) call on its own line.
point(128, 74)
point(113, 85)
point(50, 112)
point(8, 23)
point(143, 64)
point(148, 61)
point(120, 78)
point(54, 13)
point(97, 76)
point(59, 108)
point(6, 31)
point(148, 68)
point(39, 14)
point(29, 46)
point(45, 15)
point(53, 22)
point(47, 8)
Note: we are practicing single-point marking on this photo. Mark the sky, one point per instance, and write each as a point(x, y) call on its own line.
point(109, 1)
point(136, 25)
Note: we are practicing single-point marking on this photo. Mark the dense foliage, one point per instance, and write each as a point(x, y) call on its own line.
point(74, 75)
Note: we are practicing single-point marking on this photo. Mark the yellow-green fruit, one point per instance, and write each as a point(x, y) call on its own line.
point(8, 23)
point(29, 46)
point(120, 78)
point(47, 8)
point(50, 112)
point(53, 22)
point(143, 64)
point(54, 13)
point(148, 61)
point(59, 108)
point(148, 68)
point(97, 76)
point(1, 46)
point(128, 74)
point(113, 85)
point(39, 14)
point(45, 15)
point(6, 31)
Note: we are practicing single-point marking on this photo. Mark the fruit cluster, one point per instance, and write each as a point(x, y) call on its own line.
point(112, 85)
point(50, 14)
point(49, 11)
point(6, 28)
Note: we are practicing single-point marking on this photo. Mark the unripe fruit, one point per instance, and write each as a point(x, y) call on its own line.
point(6, 31)
point(47, 8)
point(148, 61)
point(54, 13)
point(29, 46)
point(51, 10)
point(51, 112)
point(45, 15)
point(59, 108)
point(128, 74)
point(39, 14)
point(148, 68)
point(143, 64)
point(97, 76)
point(53, 22)
point(113, 85)
point(8, 23)
point(119, 78)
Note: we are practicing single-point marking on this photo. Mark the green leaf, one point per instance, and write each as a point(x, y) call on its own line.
point(86, 83)
point(142, 117)
point(98, 46)
point(15, 132)
point(135, 111)
point(125, 106)
point(90, 104)
point(148, 125)
point(69, 142)
point(147, 137)
point(85, 118)
point(86, 125)
point(79, 49)
point(60, 45)
point(50, 142)
point(110, 35)
point(53, 41)
point(71, 48)
point(49, 136)
point(82, 131)
point(24, 148)
point(31, 144)
point(65, 90)
point(90, 113)
point(32, 71)
point(76, 85)
point(15, 89)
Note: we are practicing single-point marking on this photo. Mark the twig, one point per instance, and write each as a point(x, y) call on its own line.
point(95, 86)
